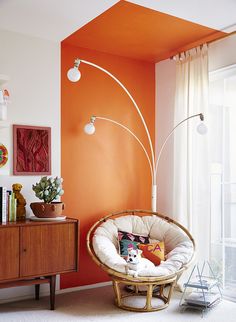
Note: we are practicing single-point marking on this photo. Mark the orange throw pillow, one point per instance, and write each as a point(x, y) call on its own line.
point(155, 252)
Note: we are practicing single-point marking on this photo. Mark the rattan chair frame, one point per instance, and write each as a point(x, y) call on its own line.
point(119, 278)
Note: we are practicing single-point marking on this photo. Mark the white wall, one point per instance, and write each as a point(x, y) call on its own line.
point(33, 66)
point(221, 53)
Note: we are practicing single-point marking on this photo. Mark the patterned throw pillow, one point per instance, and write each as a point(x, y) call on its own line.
point(133, 237)
point(154, 252)
point(125, 244)
point(127, 240)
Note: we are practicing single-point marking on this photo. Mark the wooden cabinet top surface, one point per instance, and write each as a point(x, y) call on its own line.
point(28, 222)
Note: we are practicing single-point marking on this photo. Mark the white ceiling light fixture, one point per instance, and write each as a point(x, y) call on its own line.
point(73, 73)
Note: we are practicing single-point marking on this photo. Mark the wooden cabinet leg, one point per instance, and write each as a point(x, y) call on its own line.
point(37, 289)
point(52, 291)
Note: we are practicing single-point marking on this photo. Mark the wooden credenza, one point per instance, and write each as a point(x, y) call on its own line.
point(32, 253)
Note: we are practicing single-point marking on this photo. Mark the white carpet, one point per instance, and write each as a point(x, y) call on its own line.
point(97, 305)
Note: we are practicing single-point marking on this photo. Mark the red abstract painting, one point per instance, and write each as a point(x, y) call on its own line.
point(32, 150)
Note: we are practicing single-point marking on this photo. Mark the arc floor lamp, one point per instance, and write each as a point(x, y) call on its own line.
point(74, 75)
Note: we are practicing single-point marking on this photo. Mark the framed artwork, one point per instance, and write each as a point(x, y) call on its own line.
point(31, 150)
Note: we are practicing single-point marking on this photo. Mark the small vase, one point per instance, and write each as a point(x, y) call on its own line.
point(47, 210)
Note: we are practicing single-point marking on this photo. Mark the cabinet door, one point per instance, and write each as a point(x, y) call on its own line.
point(9, 253)
point(47, 249)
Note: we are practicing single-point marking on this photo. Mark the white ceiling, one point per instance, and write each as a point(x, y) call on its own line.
point(50, 19)
point(57, 19)
point(216, 14)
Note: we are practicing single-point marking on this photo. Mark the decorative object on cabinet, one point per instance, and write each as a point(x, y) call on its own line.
point(3, 205)
point(7, 205)
point(74, 75)
point(32, 150)
point(32, 253)
point(206, 289)
point(48, 189)
point(20, 201)
point(102, 244)
point(47, 210)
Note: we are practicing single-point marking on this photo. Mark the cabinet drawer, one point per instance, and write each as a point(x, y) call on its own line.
point(9, 253)
point(48, 249)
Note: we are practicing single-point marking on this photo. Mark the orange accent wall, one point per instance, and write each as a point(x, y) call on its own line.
point(108, 171)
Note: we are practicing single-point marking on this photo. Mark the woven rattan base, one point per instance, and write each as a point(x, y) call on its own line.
point(121, 297)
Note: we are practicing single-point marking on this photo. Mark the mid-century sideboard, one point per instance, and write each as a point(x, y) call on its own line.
point(34, 252)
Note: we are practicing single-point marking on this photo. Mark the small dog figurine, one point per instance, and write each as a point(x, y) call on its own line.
point(20, 208)
point(135, 262)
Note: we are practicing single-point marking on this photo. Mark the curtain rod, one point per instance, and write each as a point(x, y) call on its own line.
point(206, 42)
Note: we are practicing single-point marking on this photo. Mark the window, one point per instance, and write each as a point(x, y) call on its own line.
point(222, 148)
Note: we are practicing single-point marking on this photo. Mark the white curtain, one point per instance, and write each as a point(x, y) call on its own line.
point(191, 178)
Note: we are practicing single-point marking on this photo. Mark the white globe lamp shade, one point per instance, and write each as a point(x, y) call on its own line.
point(89, 129)
point(73, 74)
point(202, 129)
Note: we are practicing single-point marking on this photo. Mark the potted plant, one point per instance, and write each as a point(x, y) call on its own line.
point(48, 190)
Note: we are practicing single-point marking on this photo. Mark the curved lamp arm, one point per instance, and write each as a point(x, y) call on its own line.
point(72, 72)
point(74, 75)
point(93, 118)
point(170, 134)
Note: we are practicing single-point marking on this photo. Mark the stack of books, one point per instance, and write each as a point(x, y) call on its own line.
point(7, 205)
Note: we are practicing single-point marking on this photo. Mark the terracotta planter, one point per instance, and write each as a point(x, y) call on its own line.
point(47, 210)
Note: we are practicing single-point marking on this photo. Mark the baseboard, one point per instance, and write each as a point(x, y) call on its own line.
point(58, 291)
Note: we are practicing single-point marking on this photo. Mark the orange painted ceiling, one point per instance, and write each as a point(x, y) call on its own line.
point(134, 31)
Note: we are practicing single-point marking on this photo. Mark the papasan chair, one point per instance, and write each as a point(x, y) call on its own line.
point(152, 284)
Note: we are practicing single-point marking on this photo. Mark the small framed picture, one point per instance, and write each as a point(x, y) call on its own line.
point(31, 150)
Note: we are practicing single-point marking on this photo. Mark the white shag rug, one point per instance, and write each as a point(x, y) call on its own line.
point(98, 305)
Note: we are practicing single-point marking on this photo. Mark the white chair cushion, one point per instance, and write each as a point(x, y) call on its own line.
point(179, 248)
